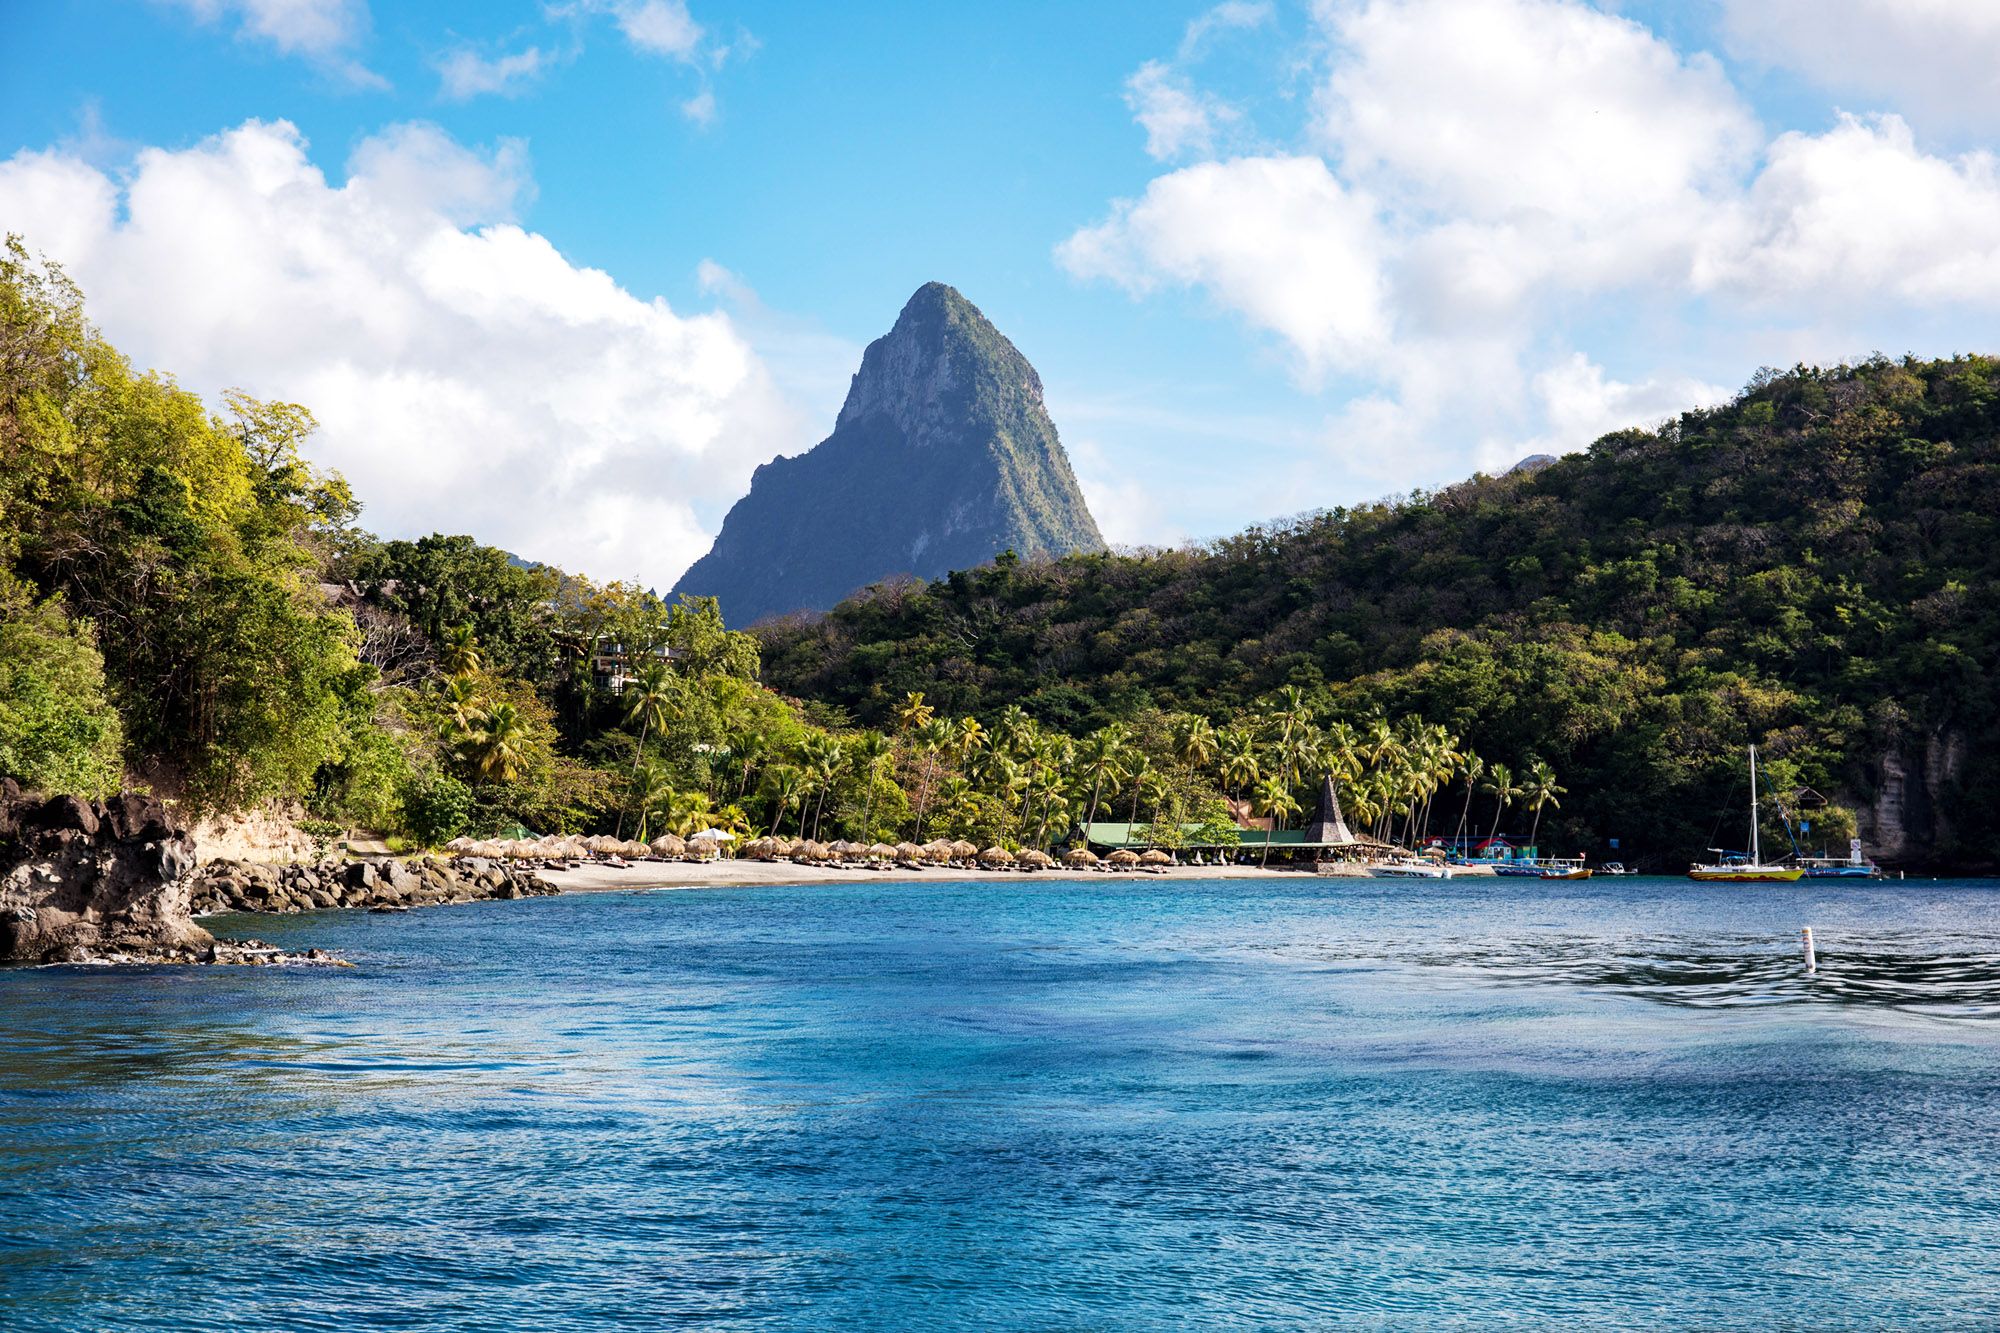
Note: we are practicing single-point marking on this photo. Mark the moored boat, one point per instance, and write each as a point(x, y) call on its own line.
point(1735, 867)
point(1409, 870)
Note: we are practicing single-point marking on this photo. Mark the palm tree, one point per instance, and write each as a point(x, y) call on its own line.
point(748, 748)
point(913, 712)
point(498, 745)
point(787, 786)
point(1539, 789)
point(458, 651)
point(1102, 756)
point(1138, 771)
point(971, 737)
point(1473, 768)
point(1500, 786)
point(933, 736)
point(1238, 767)
point(648, 701)
point(1194, 743)
point(825, 760)
point(872, 749)
point(649, 792)
point(461, 697)
point(1274, 799)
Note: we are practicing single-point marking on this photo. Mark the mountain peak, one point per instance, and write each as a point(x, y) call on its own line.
point(942, 456)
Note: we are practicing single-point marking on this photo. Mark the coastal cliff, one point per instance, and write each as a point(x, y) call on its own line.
point(943, 456)
point(84, 879)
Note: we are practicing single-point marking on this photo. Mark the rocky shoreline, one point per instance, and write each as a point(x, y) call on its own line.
point(252, 886)
point(116, 881)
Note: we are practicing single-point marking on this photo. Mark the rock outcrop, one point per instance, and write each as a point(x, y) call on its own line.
point(83, 880)
point(943, 457)
point(250, 886)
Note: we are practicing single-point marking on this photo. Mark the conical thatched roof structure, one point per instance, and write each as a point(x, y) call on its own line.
point(938, 849)
point(996, 856)
point(963, 850)
point(1036, 859)
point(881, 851)
point(460, 845)
point(1123, 857)
point(1080, 856)
point(1155, 857)
point(1328, 826)
point(668, 845)
point(909, 851)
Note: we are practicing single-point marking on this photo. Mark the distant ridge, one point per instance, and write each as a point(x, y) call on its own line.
point(942, 457)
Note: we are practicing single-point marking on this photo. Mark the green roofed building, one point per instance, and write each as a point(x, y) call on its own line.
point(1328, 832)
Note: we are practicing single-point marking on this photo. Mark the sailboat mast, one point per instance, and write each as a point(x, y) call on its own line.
point(1756, 851)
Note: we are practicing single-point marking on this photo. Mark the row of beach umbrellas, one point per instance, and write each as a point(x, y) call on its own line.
point(706, 845)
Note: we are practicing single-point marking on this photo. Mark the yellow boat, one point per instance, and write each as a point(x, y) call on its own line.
point(1752, 870)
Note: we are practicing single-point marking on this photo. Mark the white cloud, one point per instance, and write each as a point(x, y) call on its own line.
point(657, 27)
point(1177, 120)
point(464, 73)
point(1859, 217)
point(467, 376)
point(1485, 175)
point(321, 30)
point(1277, 239)
point(1227, 16)
point(1937, 59)
point(1579, 405)
point(700, 108)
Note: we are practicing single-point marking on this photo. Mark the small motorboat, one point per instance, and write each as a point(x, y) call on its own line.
point(1409, 870)
point(1615, 868)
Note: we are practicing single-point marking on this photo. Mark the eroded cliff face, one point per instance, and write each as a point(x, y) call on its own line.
point(1907, 822)
point(943, 456)
point(81, 880)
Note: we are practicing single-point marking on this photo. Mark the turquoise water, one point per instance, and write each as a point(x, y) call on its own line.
point(1121, 1103)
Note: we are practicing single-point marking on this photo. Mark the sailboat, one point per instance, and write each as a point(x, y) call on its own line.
point(1732, 868)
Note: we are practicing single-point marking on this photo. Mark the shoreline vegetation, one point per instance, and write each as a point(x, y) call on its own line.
point(190, 607)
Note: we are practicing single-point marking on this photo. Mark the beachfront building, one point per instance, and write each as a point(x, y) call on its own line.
point(1325, 838)
point(1491, 849)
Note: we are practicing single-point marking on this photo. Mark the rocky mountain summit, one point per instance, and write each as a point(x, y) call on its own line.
point(943, 456)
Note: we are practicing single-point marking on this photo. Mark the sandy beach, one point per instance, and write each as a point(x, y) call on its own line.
point(730, 874)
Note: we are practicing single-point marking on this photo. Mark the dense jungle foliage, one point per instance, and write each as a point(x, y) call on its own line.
point(186, 603)
point(1811, 567)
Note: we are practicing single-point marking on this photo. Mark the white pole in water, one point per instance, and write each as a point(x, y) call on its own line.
point(1812, 963)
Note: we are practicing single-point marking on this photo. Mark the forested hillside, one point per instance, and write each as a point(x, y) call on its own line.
point(1811, 566)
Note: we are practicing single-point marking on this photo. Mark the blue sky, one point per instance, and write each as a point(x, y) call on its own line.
point(1267, 256)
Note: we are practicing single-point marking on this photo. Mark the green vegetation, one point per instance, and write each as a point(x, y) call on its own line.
point(1811, 566)
point(1580, 652)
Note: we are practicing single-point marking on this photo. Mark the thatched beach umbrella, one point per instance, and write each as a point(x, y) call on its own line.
point(1035, 859)
point(963, 850)
point(938, 850)
point(1155, 857)
point(881, 851)
point(995, 857)
point(910, 853)
point(668, 845)
point(459, 845)
point(1080, 856)
point(1122, 859)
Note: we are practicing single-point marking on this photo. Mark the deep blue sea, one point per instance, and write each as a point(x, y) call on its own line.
point(1017, 1104)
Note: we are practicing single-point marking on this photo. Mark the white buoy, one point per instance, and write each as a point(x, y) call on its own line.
point(1812, 963)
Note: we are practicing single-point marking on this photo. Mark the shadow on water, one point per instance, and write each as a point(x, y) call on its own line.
point(1944, 980)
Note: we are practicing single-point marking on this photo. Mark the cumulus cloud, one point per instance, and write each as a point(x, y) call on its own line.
point(321, 30)
point(467, 376)
point(1476, 175)
point(1177, 120)
point(700, 108)
point(1277, 239)
point(1936, 59)
point(464, 74)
